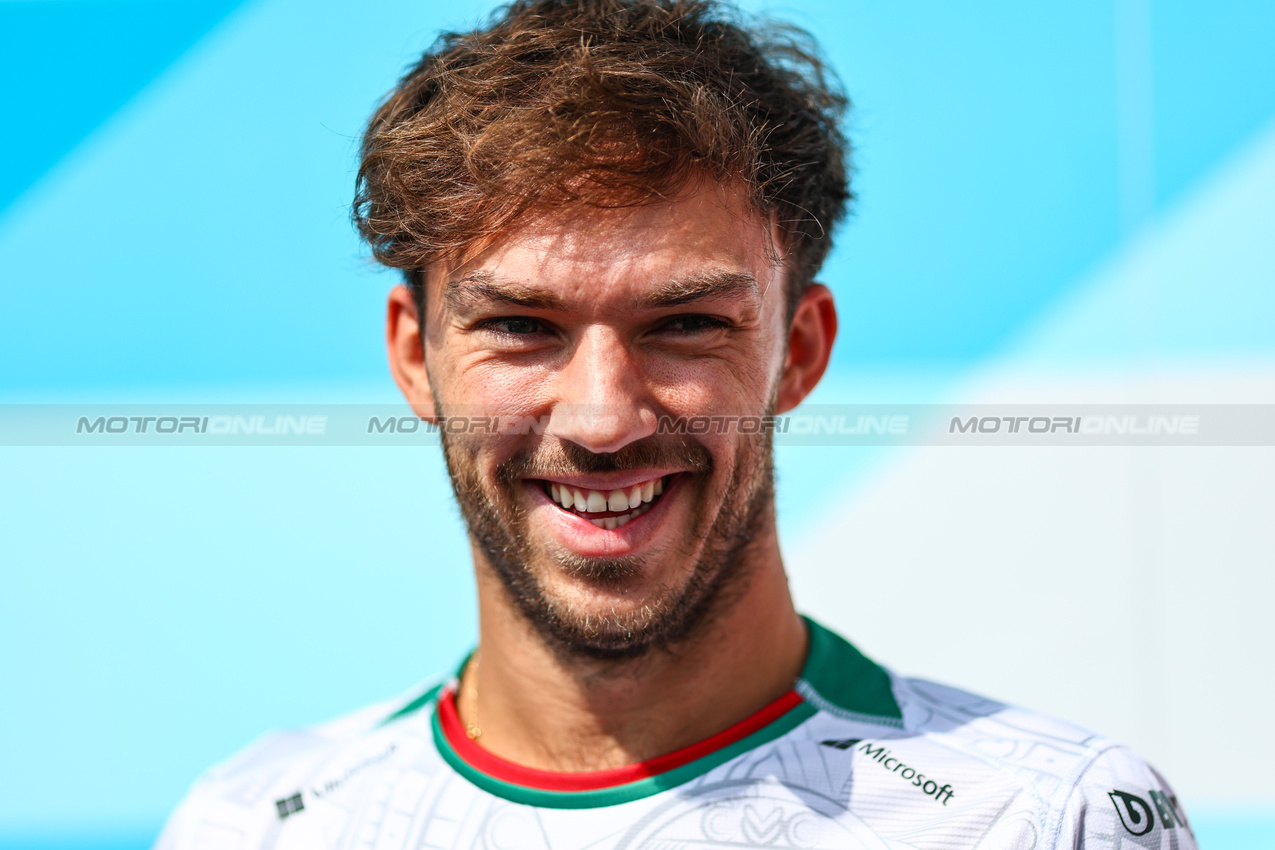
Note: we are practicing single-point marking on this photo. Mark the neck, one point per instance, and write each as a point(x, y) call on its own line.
point(543, 709)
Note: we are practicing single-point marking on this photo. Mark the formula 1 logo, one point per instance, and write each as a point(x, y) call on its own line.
point(1137, 815)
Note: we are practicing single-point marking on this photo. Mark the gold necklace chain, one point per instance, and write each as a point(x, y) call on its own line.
point(472, 730)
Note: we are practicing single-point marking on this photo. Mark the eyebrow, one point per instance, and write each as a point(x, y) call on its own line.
point(475, 287)
point(711, 284)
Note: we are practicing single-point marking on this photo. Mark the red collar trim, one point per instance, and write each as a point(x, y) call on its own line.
point(549, 780)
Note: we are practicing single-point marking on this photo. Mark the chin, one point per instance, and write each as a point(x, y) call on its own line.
point(617, 610)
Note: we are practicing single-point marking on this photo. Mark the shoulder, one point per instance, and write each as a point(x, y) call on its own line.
point(284, 772)
point(1120, 799)
point(1019, 776)
point(1087, 790)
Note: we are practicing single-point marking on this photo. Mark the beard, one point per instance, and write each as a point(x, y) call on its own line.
point(716, 548)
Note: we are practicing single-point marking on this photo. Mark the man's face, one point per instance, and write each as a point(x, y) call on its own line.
point(610, 534)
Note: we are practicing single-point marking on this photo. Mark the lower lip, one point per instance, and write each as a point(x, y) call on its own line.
point(583, 537)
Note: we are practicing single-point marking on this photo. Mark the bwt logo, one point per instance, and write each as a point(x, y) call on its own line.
point(1136, 814)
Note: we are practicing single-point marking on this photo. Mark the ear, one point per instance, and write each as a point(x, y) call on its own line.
point(404, 342)
point(810, 337)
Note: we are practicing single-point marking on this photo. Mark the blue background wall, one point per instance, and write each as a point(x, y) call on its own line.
point(173, 227)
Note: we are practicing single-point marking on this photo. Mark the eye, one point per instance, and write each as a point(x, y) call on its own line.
point(692, 323)
point(514, 326)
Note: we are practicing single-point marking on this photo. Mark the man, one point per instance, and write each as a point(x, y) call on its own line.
point(610, 214)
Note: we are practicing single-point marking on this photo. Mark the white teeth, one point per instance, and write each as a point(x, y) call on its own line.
point(637, 499)
point(611, 523)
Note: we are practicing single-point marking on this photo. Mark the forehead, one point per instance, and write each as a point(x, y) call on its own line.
point(589, 256)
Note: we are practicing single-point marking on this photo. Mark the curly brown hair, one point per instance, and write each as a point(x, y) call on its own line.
point(606, 103)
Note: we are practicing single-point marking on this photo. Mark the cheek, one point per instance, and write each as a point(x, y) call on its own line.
point(714, 388)
point(496, 388)
point(735, 377)
point(475, 459)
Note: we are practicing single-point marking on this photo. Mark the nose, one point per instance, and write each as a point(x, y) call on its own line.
point(602, 402)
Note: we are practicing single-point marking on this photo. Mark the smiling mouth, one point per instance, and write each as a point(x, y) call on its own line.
point(608, 509)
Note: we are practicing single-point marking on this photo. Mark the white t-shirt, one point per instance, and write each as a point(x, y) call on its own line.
point(853, 757)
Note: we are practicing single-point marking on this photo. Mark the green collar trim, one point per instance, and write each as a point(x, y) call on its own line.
point(429, 696)
point(842, 681)
point(836, 678)
point(415, 705)
point(620, 793)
